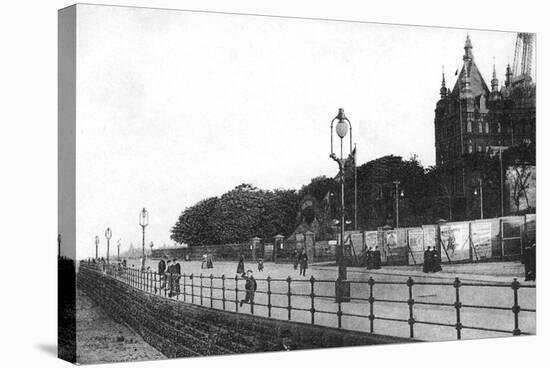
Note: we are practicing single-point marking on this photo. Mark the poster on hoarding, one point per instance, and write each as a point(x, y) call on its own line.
point(371, 239)
point(455, 242)
point(481, 239)
point(430, 236)
point(416, 240)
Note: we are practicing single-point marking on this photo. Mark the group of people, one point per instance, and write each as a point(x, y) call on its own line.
point(207, 261)
point(169, 272)
point(373, 258)
point(300, 259)
point(432, 261)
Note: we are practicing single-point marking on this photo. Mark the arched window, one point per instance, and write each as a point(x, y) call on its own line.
point(469, 127)
point(470, 147)
point(479, 148)
point(480, 127)
point(487, 127)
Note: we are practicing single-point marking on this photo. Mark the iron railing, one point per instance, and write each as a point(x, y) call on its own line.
point(312, 300)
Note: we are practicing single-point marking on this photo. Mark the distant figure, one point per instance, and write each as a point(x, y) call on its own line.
point(295, 258)
point(260, 264)
point(368, 256)
point(176, 269)
point(303, 262)
point(209, 263)
point(428, 260)
point(240, 266)
point(376, 259)
point(436, 261)
point(204, 260)
point(168, 277)
point(161, 271)
point(250, 288)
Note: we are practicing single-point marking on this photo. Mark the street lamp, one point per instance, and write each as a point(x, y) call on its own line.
point(118, 250)
point(343, 125)
point(96, 244)
point(480, 181)
point(143, 222)
point(108, 234)
point(397, 195)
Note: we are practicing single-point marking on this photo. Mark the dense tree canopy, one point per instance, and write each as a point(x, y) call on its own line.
point(424, 196)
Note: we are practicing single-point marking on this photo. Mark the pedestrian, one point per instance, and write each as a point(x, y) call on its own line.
point(295, 258)
point(161, 270)
point(427, 266)
point(436, 261)
point(529, 262)
point(209, 263)
point(369, 258)
point(250, 288)
point(260, 264)
point(168, 278)
point(204, 260)
point(303, 262)
point(376, 259)
point(176, 269)
point(240, 266)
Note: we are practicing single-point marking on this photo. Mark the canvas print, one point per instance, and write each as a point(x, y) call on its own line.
point(233, 184)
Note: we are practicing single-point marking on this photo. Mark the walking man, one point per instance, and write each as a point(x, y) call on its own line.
point(303, 262)
point(177, 272)
point(250, 288)
point(161, 270)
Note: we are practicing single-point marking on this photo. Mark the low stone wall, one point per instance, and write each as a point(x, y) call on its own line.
point(179, 329)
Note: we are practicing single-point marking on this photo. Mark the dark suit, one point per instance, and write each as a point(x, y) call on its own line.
point(176, 268)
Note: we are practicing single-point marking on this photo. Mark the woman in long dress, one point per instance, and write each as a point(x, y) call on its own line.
point(240, 266)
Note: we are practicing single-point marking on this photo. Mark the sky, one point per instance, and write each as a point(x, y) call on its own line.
point(177, 106)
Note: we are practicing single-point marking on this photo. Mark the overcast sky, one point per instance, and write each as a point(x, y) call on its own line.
point(174, 106)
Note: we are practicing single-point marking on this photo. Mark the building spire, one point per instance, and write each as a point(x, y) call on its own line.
point(468, 56)
point(508, 76)
point(494, 81)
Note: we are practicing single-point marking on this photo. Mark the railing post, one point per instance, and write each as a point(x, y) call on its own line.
point(289, 294)
point(371, 303)
point(516, 308)
point(339, 301)
point(200, 277)
point(312, 295)
point(410, 302)
point(223, 291)
point(269, 296)
point(458, 305)
point(211, 291)
point(236, 293)
point(192, 289)
point(184, 287)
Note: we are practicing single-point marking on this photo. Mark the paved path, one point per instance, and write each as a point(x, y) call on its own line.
point(355, 312)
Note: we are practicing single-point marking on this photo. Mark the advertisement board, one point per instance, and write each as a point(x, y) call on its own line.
point(455, 241)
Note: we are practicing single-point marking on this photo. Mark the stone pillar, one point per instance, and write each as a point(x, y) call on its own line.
point(277, 245)
point(254, 245)
point(309, 245)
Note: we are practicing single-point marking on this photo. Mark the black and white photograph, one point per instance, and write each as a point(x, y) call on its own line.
point(233, 182)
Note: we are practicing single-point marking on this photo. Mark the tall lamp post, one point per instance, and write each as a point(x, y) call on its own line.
point(108, 234)
point(397, 195)
point(96, 244)
point(480, 193)
point(143, 222)
point(341, 128)
point(118, 250)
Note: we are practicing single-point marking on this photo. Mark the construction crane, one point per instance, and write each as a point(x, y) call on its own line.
point(523, 57)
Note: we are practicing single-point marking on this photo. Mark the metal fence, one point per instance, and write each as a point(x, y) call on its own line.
point(313, 300)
